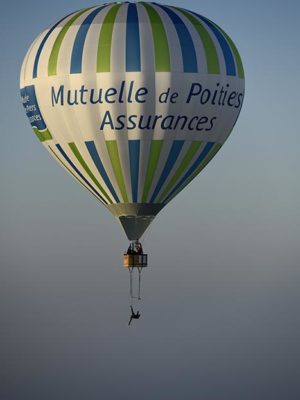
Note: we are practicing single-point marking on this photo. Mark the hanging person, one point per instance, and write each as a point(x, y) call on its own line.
point(134, 315)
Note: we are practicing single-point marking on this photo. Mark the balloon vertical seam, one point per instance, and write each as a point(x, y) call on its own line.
point(99, 165)
point(160, 40)
point(69, 170)
point(154, 154)
point(105, 40)
point(70, 162)
point(53, 59)
point(133, 51)
point(78, 46)
point(204, 159)
point(188, 51)
point(188, 157)
point(172, 157)
point(134, 158)
point(113, 152)
point(193, 167)
point(226, 50)
point(41, 46)
point(212, 61)
point(84, 165)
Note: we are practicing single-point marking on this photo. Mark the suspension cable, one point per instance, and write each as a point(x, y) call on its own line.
point(131, 276)
point(139, 291)
point(130, 280)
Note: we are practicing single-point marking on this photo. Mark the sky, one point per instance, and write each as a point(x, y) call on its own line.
point(220, 309)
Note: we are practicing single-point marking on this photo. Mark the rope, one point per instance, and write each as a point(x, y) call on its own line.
point(131, 270)
point(139, 292)
point(130, 280)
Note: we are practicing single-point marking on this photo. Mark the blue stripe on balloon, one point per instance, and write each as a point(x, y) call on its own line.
point(195, 165)
point(63, 153)
point(77, 52)
point(186, 42)
point(172, 157)
point(227, 53)
point(95, 156)
point(41, 46)
point(134, 157)
point(133, 51)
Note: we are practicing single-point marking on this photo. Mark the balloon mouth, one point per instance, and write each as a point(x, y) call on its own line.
point(135, 217)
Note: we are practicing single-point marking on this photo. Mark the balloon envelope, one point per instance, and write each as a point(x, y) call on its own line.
point(133, 100)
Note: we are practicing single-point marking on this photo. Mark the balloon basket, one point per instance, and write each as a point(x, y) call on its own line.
point(135, 260)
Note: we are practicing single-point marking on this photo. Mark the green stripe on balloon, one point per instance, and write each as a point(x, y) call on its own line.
point(192, 150)
point(113, 152)
point(74, 176)
point(210, 155)
point(161, 46)
point(84, 165)
point(52, 64)
point(211, 54)
point(43, 135)
point(155, 150)
point(235, 52)
point(105, 40)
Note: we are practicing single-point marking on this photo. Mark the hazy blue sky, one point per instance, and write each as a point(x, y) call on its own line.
point(220, 313)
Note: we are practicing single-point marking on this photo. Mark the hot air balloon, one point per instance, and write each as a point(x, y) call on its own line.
point(133, 100)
